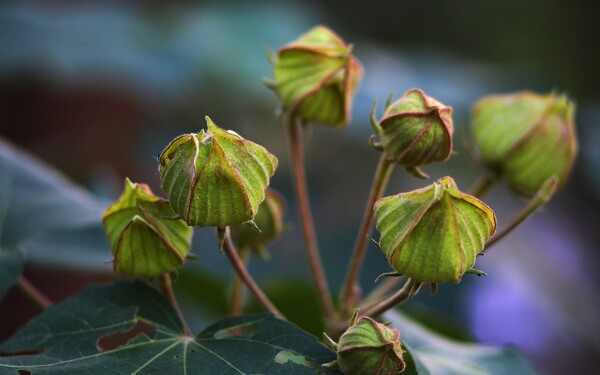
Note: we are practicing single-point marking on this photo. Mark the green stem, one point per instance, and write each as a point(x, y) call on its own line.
point(543, 195)
point(33, 293)
point(295, 134)
point(167, 287)
point(350, 293)
point(482, 185)
point(396, 299)
point(237, 292)
point(240, 268)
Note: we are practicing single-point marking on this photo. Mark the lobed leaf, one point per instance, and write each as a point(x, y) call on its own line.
point(65, 340)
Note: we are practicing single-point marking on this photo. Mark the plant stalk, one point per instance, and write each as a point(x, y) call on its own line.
point(396, 299)
point(167, 287)
point(242, 272)
point(381, 290)
point(543, 195)
point(350, 293)
point(237, 291)
point(33, 293)
point(482, 185)
point(295, 134)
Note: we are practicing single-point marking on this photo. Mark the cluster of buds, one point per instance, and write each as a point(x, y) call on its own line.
point(431, 235)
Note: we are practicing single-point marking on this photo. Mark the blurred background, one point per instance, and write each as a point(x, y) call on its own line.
point(98, 88)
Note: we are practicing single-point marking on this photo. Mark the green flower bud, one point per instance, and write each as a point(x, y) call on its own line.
point(269, 219)
point(368, 347)
point(433, 234)
point(215, 177)
point(145, 240)
point(316, 76)
point(415, 130)
point(526, 137)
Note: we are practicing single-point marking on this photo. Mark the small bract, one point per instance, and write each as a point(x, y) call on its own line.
point(526, 137)
point(215, 177)
point(316, 76)
point(415, 130)
point(433, 234)
point(145, 239)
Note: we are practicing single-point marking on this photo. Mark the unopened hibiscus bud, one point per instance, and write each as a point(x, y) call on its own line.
point(269, 219)
point(415, 130)
point(368, 347)
point(433, 234)
point(215, 177)
point(316, 76)
point(526, 138)
point(145, 239)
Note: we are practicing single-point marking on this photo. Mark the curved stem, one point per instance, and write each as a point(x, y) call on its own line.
point(396, 299)
point(34, 294)
point(237, 291)
point(482, 185)
point(543, 195)
point(242, 272)
point(167, 287)
point(350, 293)
point(295, 133)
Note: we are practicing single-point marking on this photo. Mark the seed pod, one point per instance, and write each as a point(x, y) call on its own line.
point(415, 130)
point(145, 240)
point(368, 347)
point(269, 219)
point(316, 76)
point(433, 234)
point(215, 178)
point(526, 138)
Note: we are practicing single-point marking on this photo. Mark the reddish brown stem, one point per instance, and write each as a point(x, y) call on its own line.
point(237, 290)
point(350, 293)
point(167, 288)
point(34, 294)
point(396, 299)
point(295, 133)
point(242, 272)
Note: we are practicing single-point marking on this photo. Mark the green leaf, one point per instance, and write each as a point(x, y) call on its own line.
point(11, 266)
point(433, 354)
point(48, 217)
point(297, 300)
point(65, 338)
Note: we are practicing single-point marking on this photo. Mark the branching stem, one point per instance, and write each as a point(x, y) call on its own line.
point(167, 287)
point(295, 134)
point(350, 290)
point(242, 272)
